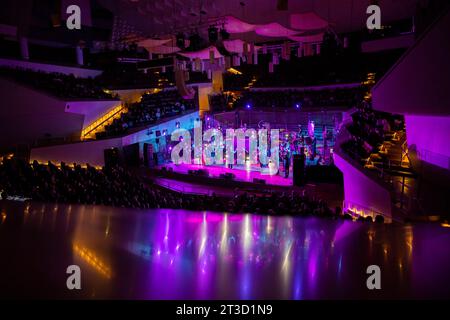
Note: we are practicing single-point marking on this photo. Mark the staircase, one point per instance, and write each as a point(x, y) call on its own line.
point(99, 124)
point(392, 164)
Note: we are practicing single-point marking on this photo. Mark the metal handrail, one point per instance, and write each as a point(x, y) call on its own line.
point(100, 124)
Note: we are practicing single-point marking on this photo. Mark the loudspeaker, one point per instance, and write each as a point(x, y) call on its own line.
point(131, 155)
point(299, 169)
point(111, 157)
point(148, 155)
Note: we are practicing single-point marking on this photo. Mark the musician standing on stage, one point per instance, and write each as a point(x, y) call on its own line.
point(287, 153)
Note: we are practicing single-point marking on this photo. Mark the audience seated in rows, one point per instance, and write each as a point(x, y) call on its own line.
point(57, 84)
point(151, 109)
point(345, 66)
point(368, 130)
point(289, 99)
point(117, 187)
point(221, 102)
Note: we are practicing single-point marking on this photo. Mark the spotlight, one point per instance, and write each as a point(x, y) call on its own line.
point(298, 106)
point(248, 106)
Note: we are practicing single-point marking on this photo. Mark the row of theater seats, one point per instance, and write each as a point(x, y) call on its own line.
point(131, 77)
point(116, 186)
point(57, 84)
point(368, 130)
point(151, 109)
point(345, 67)
point(289, 99)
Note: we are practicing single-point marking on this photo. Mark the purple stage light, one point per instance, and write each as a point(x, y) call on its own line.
point(248, 106)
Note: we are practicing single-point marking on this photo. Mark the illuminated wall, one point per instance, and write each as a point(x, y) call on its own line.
point(92, 152)
point(186, 122)
point(31, 115)
point(203, 100)
point(92, 110)
point(28, 115)
point(429, 136)
point(361, 192)
point(419, 82)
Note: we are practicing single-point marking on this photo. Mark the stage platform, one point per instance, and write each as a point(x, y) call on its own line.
point(194, 188)
point(241, 173)
point(177, 178)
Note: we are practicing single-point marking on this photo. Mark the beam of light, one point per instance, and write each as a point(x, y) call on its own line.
point(204, 237)
point(167, 228)
point(409, 240)
point(93, 260)
point(268, 226)
point(108, 226)
point(344, 230)
point(224, 239)
point(247, 236)
point(286, 256)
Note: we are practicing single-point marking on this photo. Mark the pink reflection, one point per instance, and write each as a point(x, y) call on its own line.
point(345, 229)
point(210, 217)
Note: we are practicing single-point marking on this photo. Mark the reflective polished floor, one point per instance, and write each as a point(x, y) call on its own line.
point(175, 254)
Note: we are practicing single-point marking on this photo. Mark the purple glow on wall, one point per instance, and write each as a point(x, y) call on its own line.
point(429, 136)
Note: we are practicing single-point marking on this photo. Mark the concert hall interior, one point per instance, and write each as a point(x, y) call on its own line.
point(212, 149)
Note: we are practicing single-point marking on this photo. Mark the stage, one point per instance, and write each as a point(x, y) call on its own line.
point(241, 173)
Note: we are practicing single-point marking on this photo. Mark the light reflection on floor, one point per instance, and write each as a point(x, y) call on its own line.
point(173, 254)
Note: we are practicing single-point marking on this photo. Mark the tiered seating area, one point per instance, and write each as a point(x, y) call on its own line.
point(369, 131)
point(57, 84)
point(221, 102)
point(289, 99)
point(151, 109)
point(116, 186)
point(341, 67)
point(124, 77)
point(378, 143)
